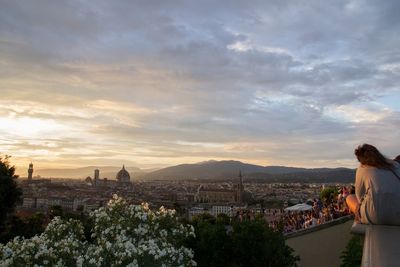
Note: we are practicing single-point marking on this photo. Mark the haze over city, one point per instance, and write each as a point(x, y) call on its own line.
point(158, 83)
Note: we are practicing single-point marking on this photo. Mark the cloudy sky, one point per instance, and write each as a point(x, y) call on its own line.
point(157, 83)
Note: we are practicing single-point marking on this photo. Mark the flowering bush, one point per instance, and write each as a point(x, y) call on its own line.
point(123, 235)
point(59, 245)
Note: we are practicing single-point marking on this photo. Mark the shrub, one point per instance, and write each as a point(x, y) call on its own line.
point(247, 243)
point(352, 255)
point(123, 235)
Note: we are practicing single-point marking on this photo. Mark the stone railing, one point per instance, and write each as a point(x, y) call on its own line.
point(381, 244)
point(319, 227)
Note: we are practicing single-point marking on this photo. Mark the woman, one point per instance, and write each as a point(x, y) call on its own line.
point(377, 198)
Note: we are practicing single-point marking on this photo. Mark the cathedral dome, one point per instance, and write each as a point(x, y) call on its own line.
point(123, 176)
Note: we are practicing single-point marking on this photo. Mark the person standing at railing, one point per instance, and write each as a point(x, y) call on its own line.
point(377, 188)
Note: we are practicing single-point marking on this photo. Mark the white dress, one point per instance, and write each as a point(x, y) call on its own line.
point(378, 190)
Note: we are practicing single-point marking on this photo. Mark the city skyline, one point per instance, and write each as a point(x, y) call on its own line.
point(156, 84)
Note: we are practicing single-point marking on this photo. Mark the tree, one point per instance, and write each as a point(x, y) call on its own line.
point(222, 218)
point(328, 194)
point(26, 227)
point(10, 193)
point(203, 218)
point(247, 243)
point(352, 255)
point(212, 246)
point(56, 211)
point(256, 244)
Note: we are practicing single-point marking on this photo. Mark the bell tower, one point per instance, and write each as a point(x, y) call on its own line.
point(96, 176)
point(30, 172)
point(240, 188)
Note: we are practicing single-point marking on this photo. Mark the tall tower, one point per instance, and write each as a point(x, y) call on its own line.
point(240, 188)
point(96, 176)
point(30, 172)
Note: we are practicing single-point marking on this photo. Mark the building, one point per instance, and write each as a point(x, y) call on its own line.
point(98, 182)
point(215, 210)
point(65, 203)
point(28, 202)
point(240, 189)
point(96, 176)
point(214, 195)
point(195, 211)
point(42, 203)
point(220, 209)
point(123, 176)
point(91, 204)
point(89, 181)
point(30, 172)
point(217, 195)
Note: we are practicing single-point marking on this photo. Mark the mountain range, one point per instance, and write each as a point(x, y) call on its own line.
point(222, 170)
point(214, 170)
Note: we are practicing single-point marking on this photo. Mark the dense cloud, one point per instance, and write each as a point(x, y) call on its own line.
point(155, 83)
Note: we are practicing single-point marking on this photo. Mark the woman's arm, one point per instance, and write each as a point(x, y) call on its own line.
point(360, 183)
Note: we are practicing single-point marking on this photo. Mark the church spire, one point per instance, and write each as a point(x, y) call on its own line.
point(240, 188)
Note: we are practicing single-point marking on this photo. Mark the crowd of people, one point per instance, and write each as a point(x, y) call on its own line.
point(374, 169)
point(291, 221)
point(321, 212)
point(373, 200)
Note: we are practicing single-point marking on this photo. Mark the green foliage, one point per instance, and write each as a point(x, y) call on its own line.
point(10, 193)
point(328, 194)
point(87, 221)
point(212, 246)
point(180, 210)
point(203, 218)
point(26, 227)
point(223, 219)
point(352, 255)
point(273, 204)
point(248, 243)
point(255, 244)
point(56, 211)
point(88, 225)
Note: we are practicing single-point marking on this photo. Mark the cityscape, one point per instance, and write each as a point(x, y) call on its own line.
point(191, 196)
point(88, 193)
point(199, 133)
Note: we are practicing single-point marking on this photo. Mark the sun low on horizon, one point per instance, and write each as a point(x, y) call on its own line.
point(155, 83)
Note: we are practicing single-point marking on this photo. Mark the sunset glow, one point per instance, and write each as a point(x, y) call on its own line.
point(152, 85)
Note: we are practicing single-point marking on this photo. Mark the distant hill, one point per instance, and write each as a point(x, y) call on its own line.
point(221, 170)
point(105, 172)
point(204, 170)
point(325, 175)
point(212, 170)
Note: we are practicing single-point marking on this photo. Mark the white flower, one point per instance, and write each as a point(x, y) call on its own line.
point(122, 233)
point(79, 261)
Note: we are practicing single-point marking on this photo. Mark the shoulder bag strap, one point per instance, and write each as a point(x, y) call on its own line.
point(395, 174)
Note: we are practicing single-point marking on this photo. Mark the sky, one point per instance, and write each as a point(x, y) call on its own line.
point(159, 83)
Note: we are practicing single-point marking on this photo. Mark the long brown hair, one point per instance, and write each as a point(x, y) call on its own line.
point(370, 155)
